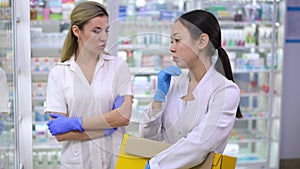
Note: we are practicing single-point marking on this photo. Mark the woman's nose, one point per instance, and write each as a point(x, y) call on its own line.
point(172, 49)
point(104, 36)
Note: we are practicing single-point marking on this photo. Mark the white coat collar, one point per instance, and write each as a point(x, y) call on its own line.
point(184, 78)
point(184, 82)
point(207, 78)
point(71, 62)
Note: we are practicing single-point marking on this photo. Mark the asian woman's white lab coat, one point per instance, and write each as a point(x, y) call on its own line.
point(194, 127)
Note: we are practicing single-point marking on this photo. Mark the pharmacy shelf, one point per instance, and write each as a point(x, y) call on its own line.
point(143, 71)
point(248, 141)
point(47, 146)
point(148, 49)
point(251, 161)
point(244, 23)
point(254, 116)
point(236, 71)
point(45, 52)
point(38, 99)
point(257, 94)
point(249, 48)
point(7, 148)
point(39, 77)
point(164, 49)
point(40, 122)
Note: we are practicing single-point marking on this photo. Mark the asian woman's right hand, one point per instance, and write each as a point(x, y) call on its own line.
point(163, 81)
point(147, 165)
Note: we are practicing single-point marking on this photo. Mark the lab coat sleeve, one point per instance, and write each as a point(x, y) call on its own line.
point(212, 130)
point(152, 120)
point(151, 125)
point(55, 101)
point(123, 80)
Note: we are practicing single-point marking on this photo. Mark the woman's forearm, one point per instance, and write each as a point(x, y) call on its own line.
point(115, 118)
point(156, 105)
point(74, 135)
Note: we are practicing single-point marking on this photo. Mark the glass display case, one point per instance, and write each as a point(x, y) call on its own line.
point(8, 144)
point(14, 112)
point(14, 124)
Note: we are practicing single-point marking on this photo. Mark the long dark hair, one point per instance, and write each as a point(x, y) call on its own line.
point(207, 23)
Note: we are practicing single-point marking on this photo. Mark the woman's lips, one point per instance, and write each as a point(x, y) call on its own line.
point(102, 46)
point(175, 59)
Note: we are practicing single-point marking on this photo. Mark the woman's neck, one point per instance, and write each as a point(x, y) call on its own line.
point(87, 62)
point(86, 57)
point(198, 70)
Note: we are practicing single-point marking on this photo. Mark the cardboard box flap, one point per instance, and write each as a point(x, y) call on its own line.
point(207, 163)
point(144, 147)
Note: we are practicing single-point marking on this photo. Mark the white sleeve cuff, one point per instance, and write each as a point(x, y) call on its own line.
point(152, 114)
point(153, 163)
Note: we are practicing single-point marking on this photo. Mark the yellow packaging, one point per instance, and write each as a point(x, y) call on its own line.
point(135, 152)
point(223, 162)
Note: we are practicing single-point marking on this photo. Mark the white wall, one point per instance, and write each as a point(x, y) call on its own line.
point(290, 116)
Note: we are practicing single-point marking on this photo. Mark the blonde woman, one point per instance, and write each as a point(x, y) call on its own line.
point(84, 88)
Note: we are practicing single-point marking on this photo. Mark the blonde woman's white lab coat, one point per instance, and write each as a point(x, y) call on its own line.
point(195, 127)
point(69, 92)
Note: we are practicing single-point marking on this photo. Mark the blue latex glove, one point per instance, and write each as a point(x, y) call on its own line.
point(1, 124)
point(147, 165)
point(108, 132)
point(62, 124)
point(117, 103)
point(163, 81)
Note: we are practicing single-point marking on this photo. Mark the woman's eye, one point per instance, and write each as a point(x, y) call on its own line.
point(176, 40)
point(97, 30)
point(106, 30)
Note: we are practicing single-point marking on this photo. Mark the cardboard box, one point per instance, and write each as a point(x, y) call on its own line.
point(135, 152)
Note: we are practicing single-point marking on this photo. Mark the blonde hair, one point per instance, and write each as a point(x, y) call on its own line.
point(80, 16)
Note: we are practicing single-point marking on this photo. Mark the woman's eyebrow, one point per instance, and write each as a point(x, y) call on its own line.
point(98, 27)
point(174, 34)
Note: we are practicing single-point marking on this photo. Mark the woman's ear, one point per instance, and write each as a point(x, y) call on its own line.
point(75, 30)
point(203, 41)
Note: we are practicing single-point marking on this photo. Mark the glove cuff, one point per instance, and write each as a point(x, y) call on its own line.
point(159, 96)
point(79, 127)
point(108, 132)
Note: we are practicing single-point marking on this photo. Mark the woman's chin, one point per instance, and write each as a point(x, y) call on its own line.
point(181, 65)
point(100, 49)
